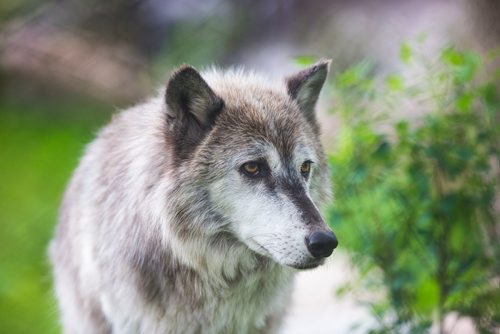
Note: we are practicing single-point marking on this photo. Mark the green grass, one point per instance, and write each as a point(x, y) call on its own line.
point(40, 144)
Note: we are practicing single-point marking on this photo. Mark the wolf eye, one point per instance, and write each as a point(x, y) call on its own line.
point(305, 168)
point(251, 168)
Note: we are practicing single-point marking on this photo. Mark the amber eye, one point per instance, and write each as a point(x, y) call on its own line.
point(305, 168)
point(251, 168)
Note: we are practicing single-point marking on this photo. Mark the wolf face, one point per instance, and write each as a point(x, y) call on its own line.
point(255, 148)
point(267, 198)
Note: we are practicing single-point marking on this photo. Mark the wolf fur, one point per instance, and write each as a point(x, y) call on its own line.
point(159, 230)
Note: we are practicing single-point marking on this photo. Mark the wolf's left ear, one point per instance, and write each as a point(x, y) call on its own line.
point(304, 87)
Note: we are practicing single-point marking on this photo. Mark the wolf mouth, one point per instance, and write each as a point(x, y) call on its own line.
point(310, 265)
point(306, 266)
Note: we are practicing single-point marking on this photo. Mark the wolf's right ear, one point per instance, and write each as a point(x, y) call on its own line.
point(189, 98)
point(304, 87)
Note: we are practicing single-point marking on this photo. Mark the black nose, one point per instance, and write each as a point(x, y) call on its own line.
point(321, 244)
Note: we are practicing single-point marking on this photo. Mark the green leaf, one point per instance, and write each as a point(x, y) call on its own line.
point(466, 72)
point(426, 296)
point(489, 94)
point(305, 60)
point(394, 82)
point(450, 56)
point(464, 102)
point(402, 128)
point(405, 52)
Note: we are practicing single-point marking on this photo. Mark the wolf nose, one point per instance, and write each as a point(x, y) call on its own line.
point(321, 244)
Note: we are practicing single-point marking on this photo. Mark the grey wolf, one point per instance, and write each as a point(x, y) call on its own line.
point(191, 212)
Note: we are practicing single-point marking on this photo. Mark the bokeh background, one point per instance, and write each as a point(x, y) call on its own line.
point(66, 66)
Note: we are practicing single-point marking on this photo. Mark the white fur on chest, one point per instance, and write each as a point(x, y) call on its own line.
point(243, 308)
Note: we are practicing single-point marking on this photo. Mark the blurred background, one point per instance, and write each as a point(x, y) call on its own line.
point(409, 116)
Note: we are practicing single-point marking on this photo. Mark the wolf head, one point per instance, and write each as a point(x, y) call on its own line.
point(253, 148)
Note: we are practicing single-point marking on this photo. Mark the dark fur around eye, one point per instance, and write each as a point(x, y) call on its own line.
point(305, 168)
point(255, 169)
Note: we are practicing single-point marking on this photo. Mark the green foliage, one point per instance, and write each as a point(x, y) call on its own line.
point(40, 145)
point(415, 197)
point(405, 53)
point(305, 60)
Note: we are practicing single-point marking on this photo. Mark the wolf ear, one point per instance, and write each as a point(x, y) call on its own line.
point(192, 107)
point(304, 87)
point(189, 98)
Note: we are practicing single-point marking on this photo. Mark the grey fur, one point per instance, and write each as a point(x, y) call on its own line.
point(146, 242)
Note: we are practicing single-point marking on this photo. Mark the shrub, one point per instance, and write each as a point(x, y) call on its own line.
point(415, 194)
